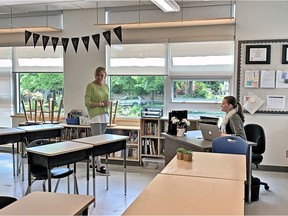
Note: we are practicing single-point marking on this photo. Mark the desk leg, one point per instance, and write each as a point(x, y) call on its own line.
point(87, 175)
point(107, 171)
point(75, 181)
point(125, 174)
point(22, 159)
point(94, 186)
point(13, 157)
point(49, 179)
point(249, 173)
point(29, 180)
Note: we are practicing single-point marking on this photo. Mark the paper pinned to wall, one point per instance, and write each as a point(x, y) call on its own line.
point(253, 103)
point(276, 101)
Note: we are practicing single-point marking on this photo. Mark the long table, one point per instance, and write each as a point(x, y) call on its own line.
point(182, 195)
point(193, 141)
point(105, 144)
point(45, 203)
point(58, 154)
point(209, 165)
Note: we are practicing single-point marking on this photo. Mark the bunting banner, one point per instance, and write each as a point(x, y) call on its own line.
point(96, 39)
point(54, 42)
point(118, 32)
point(107, 36)
point(86, 42)
point(65, 42)
point(75, 42)
point(27, 36)
point(35, 38)
point(45, 40)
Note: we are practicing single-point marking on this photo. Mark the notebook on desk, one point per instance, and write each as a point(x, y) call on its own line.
point(209, 131)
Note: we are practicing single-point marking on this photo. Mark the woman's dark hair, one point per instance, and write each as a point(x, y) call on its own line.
point(234, 102)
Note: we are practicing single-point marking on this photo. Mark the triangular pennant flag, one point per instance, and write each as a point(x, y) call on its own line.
point(75, 42)
point(107, 35)
point(45, 40)
point(118, 32)
point(85, 40)
point(35, 38)
point(65, 43)
point(27, 36)
point(54, 42)
point(96, 39)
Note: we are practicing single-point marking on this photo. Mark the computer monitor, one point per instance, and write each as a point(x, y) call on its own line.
point(179, 114)
point(209, 120)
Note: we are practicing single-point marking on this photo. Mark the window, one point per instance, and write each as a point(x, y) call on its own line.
point(137, 74)
point(39, 75)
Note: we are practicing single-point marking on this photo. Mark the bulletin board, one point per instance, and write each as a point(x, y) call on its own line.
point(262, 76)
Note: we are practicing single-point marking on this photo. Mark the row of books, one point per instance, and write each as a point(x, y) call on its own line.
point(150, 128)
point(149, 146)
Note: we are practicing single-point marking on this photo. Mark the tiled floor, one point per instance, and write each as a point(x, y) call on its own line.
point(114, 202)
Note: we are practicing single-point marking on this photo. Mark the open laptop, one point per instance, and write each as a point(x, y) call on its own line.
point(209, 131)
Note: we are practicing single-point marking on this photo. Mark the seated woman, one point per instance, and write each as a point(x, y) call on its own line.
point(233, 122)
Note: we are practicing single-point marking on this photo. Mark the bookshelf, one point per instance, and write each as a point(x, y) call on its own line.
point(152, 140)
point(132, 150)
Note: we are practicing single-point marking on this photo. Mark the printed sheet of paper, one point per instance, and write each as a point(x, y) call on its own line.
point(282, 79)
point(276, 102)
point(251, 79)
point(253, 103)
point(267, 79)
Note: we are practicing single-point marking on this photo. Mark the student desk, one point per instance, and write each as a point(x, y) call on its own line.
point(45, 203)
point(209, 165)
point(12, 135)
point(58, 154)
point(105, 144)
point(182, 195)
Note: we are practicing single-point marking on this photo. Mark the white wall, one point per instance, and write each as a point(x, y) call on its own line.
point(261, 20)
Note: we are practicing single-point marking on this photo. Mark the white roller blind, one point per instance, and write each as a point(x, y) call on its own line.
point(5, 87)
point(137, 59)
point(29, 59)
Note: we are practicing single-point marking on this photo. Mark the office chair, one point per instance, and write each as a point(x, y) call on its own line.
point(230, 145)
point(40, 172)
point(6, 200)
point(255, 133)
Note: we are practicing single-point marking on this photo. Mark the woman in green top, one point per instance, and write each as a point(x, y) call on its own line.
point(97, 102)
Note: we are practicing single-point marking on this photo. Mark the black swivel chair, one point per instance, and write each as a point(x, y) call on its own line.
point(40, 173)
point(255, 133)
point(6, 200)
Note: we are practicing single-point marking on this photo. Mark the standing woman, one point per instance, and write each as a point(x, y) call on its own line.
point(233, 122)
point(97, 102)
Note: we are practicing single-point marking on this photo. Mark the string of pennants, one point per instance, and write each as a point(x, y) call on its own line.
point(75, 40)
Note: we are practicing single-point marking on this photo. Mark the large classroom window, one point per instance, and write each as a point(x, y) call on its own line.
point(136, 75)
point(38, 74)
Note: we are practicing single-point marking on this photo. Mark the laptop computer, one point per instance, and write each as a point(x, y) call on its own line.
point(209, 131)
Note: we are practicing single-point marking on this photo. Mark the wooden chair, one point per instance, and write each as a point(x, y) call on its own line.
point(113, 113)
point(51, 112)
point(32, 118)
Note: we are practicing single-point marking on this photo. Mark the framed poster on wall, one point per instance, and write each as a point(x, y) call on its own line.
point(258, 54)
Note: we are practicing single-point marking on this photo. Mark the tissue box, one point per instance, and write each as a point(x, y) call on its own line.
point(84, 120)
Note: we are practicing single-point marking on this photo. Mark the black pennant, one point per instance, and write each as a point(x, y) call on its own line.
point(107, 35)
point(54, 42)
point(118, 32)
point(85, 40)
point(75, 42)
point(65, 43)
point(27, 36)
point(35, 38)
point(45, 40)
point(96, 39)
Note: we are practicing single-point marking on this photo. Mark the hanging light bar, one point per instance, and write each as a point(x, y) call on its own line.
point(167, 5)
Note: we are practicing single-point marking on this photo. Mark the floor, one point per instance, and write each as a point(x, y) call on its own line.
point(114, 202)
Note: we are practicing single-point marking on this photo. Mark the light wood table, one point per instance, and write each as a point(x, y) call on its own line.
point(209, 165)
point(182, 195)
point(45, 203)
point(58, 154)
point(105, 144)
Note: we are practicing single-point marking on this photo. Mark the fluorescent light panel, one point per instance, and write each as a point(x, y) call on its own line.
point(167, 5)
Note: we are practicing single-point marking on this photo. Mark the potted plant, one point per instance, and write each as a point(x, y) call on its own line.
point(180, 152)
point(187, 155)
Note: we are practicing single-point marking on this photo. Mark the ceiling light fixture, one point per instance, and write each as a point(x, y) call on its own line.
point(167, 5)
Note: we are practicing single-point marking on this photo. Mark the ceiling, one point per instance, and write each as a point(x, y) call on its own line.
point(26, 6)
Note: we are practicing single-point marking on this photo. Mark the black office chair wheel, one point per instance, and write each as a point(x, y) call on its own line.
point(266, 187)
